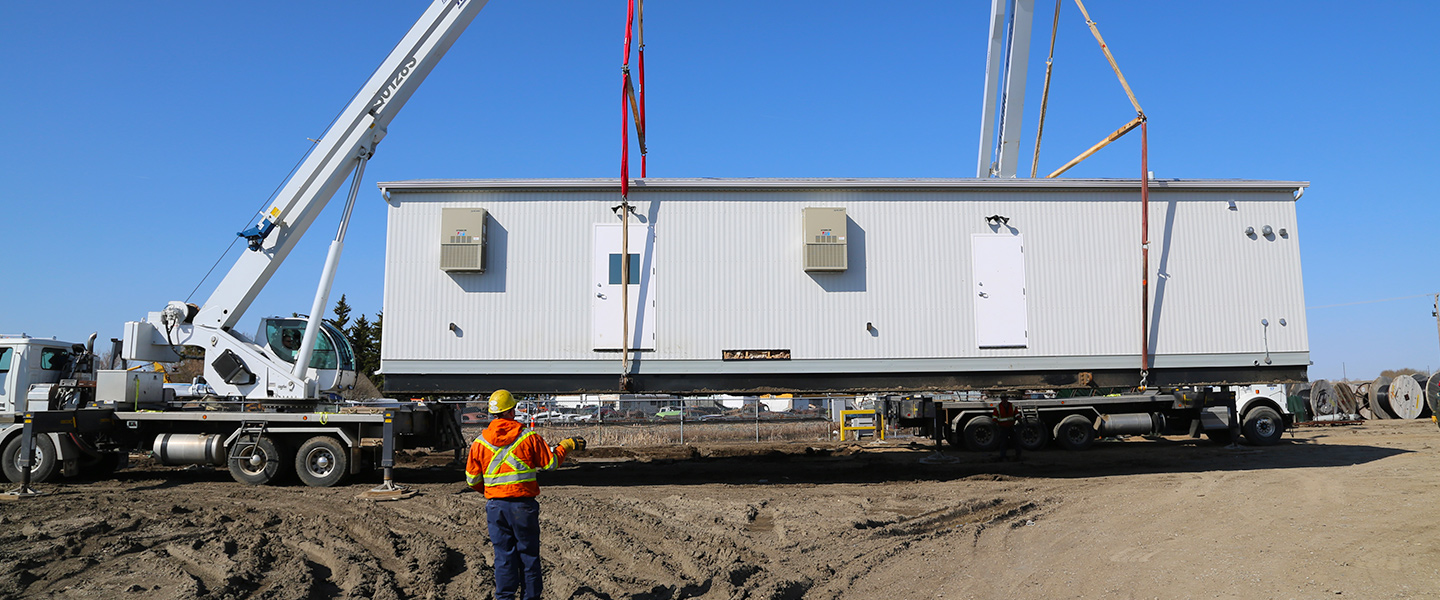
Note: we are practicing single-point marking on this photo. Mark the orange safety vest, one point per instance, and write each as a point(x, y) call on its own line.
point(1005, 414)
point(504, 460)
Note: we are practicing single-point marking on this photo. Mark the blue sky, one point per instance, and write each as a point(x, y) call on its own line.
point(140, 136)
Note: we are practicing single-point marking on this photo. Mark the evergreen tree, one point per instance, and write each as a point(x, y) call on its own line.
point(342, 314)
point(367, 347)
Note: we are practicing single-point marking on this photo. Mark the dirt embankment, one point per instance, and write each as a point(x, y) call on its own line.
point(1339, 512)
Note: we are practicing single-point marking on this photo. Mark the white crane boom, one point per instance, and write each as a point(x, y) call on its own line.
point(353, 137)
point(1003, 162)
point(234, 365)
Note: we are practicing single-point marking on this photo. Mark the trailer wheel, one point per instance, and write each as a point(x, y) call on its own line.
point(322, 461)
point(1075, 433)
point(982, 434)
point(43, 466)
point(259, 463)
point(1033, 434)
point(1263, 426)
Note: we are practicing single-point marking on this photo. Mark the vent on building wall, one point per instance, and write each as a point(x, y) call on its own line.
point(462, 239)
point(825, 245)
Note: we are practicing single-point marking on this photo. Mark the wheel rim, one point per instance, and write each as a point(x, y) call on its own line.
point(1265, 426)
point(35, 464)
point(249, 452)
point(1075, 434)
point(1030, 436)
point(984, 436)
point(320, 462)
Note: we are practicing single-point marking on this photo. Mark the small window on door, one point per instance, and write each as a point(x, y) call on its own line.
point(615, 269)
point(5, 359)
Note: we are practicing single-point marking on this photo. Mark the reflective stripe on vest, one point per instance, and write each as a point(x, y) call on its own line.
point(1007, 416)
point(503, 456)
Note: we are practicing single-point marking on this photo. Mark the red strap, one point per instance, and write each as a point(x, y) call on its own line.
point(625, 106)
point(642, 88)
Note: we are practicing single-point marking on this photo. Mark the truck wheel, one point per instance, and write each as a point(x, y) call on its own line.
point(322, 462)
point(1263, 426)
point(1075, 433)
point(982, 434)
point(260, 463)
point(44, 459)
point(1033, 435)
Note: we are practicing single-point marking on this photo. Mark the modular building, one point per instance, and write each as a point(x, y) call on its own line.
point(770, 285)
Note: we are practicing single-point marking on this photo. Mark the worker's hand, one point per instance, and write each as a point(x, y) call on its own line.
point(573, 443)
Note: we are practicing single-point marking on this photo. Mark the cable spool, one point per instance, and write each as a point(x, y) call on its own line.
point(1362, 399)
point(1421, 379)
point(1379, 398)
point(1349, 404)
point(1322, 399)
point(1297, 397)
point(1432, 393)
point(1405, 398)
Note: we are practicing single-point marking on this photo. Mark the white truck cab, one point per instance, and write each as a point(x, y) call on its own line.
point(26, 361)
point(28, 367)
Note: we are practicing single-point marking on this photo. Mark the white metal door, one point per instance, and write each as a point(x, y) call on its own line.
point(606, 320)
point(999, 287)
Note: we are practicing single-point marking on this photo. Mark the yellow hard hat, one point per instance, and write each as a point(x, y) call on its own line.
point(501, 401)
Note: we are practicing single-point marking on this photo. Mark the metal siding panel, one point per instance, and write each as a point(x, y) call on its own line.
point(730, 274)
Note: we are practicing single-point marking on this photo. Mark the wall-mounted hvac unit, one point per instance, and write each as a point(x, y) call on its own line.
point(825, 246)
point(462, 240)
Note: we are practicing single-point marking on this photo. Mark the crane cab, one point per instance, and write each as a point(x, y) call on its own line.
point(332, 361)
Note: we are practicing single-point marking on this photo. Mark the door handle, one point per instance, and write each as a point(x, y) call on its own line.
point(600, 295)
point(984, 295)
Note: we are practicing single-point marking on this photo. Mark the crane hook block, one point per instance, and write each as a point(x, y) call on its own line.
point(257, 233)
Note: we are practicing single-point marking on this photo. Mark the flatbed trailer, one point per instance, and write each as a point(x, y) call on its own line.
point(1076, 422)
point(320, 447)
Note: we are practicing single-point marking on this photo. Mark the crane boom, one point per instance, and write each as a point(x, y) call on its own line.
point(353, 136)
point(262, 368)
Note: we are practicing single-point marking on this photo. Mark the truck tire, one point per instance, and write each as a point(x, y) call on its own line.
point(982, 434)
point(1075, 433)
point(45, 459)
point(1263, 426)
point(260, 463)
point(1033, 434)
point(322, 461)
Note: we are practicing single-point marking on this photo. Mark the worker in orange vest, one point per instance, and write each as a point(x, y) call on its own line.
point(503, 463)
point(1006, 415)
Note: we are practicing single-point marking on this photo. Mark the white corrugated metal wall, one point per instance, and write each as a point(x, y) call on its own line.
point(729, 275)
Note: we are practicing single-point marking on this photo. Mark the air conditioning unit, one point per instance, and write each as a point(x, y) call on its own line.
point(825, 245)
point(462, 240)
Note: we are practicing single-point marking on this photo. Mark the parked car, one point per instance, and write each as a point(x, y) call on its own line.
point(549, 416)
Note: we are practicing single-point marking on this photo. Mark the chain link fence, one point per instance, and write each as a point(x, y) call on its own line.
point(638, 421)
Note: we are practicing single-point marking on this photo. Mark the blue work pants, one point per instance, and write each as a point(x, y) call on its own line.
point(515, 533)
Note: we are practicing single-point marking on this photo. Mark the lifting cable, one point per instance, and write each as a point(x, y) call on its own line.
point(630, 102)
point(1139, 121)
point(1045, 95)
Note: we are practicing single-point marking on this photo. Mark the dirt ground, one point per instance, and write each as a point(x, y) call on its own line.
point(1331, 512)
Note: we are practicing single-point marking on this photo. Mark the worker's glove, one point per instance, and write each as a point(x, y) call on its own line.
point(573, 443)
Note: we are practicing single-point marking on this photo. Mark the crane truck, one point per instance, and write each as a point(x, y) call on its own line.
point(268, 405)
